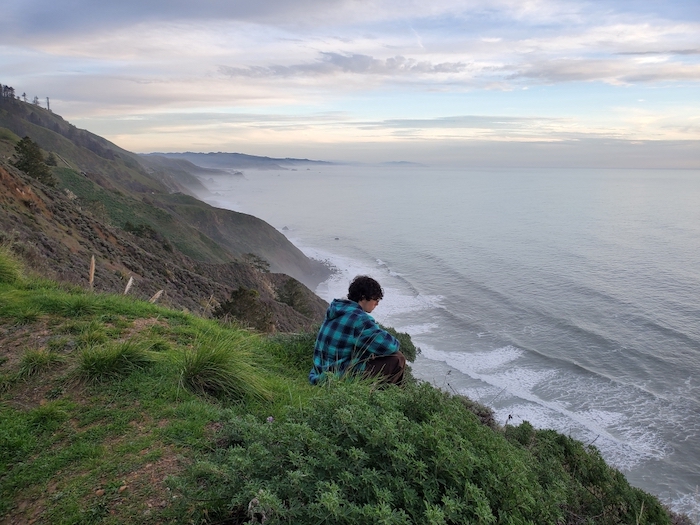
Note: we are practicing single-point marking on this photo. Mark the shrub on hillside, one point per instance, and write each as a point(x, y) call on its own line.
point(292, 294)
point(245, 306)
point(256, 262)
point(31, 161)
point(408, 349)
point(360, 456)
point(51, 160)
point(589, 486)
point(357, 455)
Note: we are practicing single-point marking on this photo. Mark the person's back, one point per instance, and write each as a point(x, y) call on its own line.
point(350, 340)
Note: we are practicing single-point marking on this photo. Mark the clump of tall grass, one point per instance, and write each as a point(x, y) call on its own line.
point(66, 304)
point(34, 362)
point(48, 417)
point(91, 334)
point(112, 361)
point(26, 315)
point(10, 267)
point(224, 365)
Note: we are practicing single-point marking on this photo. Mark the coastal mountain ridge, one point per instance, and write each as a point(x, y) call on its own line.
point(221, 160)
point(139, 218)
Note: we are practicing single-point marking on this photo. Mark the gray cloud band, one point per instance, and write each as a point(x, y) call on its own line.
point(614, 69)
point(331, 63)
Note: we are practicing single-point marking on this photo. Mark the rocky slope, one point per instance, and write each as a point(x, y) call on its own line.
point(138, 221)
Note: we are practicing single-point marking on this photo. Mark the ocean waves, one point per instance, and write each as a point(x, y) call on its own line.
point(569, 308)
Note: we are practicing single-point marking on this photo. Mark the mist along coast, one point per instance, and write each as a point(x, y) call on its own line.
point(567, 298)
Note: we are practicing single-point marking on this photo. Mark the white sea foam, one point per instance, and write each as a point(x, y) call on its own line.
point(474, 363)
point(688, 503)
point(634, 428)
point(397, 300)
point(417, 329)
point(520, 393)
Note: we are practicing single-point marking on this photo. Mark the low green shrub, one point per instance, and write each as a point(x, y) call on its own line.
point(359, 455)
point(292, 293)
point(112, 361)
point(246, 307)
point(355, 454)
point(408, 349)
point(295, 351)
point(587, 486)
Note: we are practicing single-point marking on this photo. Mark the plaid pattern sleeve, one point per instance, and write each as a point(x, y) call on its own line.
point(347, 339)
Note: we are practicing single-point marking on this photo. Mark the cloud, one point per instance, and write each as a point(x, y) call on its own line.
point(60, 16)
point(36, 18)
point(669, 52)
point(605, 70)
point(357, 71)
point(467, 122)
point(334, 63)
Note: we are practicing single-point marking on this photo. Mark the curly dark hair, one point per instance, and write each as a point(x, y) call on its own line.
point(364, 287)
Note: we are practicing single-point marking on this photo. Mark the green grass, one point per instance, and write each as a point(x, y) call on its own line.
point(118, 404)
point(6, 134)
point(223, 364)
point(34, 362)
point(120, 209)
point(10, 267)
point(112, 361)
point(91, 334)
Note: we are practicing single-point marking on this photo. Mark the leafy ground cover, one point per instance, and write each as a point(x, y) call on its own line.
point(114, 410)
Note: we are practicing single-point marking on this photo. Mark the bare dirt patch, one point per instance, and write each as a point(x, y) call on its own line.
point(16, 339)
point(140, 325)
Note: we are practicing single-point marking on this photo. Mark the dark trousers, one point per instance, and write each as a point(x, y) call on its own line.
point(389, 367)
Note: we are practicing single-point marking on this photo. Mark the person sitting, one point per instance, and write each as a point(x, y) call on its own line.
point(351, 342)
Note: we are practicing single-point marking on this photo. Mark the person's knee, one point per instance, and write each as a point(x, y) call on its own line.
point(401, 359)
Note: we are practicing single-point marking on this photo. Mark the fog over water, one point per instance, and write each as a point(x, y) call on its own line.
point(567, 298)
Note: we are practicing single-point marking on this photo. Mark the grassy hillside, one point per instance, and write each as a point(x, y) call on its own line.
point(121, 186)
point(115, 410)
point(129, 214)
point(57, 232)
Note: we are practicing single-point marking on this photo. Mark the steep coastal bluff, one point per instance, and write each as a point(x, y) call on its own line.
point(138, 217)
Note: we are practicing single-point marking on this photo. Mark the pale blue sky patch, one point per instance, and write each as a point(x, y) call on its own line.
point(393, 79)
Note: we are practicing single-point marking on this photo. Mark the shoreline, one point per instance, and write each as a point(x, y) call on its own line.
point(476, 353)
point(682, 502)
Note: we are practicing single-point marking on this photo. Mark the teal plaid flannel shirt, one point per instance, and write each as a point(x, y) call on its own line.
point(347, 339)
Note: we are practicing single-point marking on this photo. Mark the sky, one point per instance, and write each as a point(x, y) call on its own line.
point(546, 83)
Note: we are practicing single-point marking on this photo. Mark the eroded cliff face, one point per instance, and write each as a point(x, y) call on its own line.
point(120, 186)
point(56, 234)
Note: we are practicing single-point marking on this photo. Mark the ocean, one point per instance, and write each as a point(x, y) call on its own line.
point(569, 298)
